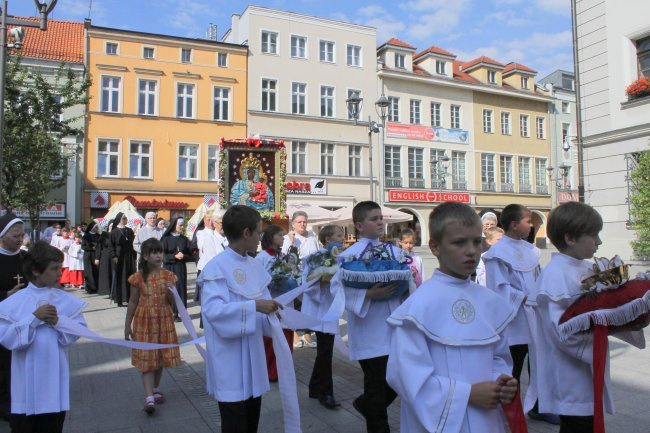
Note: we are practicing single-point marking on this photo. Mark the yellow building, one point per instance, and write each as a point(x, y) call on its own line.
point(158, 108)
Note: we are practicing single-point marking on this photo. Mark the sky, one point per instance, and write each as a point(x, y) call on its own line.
point(536, 33)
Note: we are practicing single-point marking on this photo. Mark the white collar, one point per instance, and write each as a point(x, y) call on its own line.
point(8, 253)
point(520, 255)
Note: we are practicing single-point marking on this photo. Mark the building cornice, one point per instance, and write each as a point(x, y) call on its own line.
point(637, 131)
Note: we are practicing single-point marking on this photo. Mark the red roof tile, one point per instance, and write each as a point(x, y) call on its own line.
point(479, 60)
point(418, 70)
point(518, 66)
point(63, 41)
point(435, 50)
point(397, 43)
point(462, 76)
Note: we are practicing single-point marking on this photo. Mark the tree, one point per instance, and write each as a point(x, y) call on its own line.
point(640, 206)
point(36, 160)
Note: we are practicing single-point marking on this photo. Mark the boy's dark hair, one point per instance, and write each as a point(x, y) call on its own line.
point(267, 236)
point(572, 219)
point(151, 245)
point(327, 232)
point(513, 213)
point(451, 212)
point(39, 257)
point(360, 211)
point(406, 232)
point(237, 218)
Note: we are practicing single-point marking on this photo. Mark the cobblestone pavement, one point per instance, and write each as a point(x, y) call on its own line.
point(107, 396)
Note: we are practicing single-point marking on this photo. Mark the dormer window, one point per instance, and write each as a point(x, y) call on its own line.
point(399, 61)
point(492, 77)
point(440, 67)
point(567, 82)
point(524, 82)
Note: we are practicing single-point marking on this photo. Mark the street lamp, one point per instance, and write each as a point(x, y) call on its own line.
point(563, 171)
point(439, 172)
point(18, 34)
point(354, 103)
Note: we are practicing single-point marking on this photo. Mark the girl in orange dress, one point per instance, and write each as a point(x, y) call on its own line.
point(149, 318)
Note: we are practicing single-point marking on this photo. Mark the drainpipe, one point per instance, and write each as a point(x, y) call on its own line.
point(576, 72)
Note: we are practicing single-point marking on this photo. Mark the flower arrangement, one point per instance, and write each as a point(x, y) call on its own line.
point(639, 88)
point(378, 264)
point(323, 265)
point(285, 272)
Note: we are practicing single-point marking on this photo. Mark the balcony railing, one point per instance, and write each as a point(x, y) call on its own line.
point(541, 189)
point(393, 182)
point(438, 184)
point(507, 187)
point(416, 183)
point(488, 186)
point(525, 187)
point(459, 185)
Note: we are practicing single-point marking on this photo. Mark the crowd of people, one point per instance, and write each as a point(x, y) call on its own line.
point(452, 346)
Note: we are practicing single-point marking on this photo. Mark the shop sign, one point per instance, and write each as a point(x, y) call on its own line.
point(315, 186)
point(156, 204)
point(99, 200)
point(427, 133)
point(427, 196)
point(55, 211)
point(565, 196)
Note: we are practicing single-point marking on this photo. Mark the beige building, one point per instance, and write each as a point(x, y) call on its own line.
point(301, 70)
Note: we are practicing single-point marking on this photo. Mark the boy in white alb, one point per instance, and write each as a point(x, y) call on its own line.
point(448, 361)
point(368, 332)
point(40, 376)
point(235, 304)
point(561, 379)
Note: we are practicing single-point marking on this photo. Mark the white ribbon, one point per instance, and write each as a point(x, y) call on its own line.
point(187, 322)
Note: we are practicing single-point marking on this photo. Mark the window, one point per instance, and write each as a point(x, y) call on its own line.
point(440, 67)
point(487, 172)
point(111, 89)
point(221, 103)
point(186, 55)
point(185, 100)
point(523, 125)
point(416, 167)
point(327, 51)
point(58, 117)
point(487, 121)
point(492, 77)
point(298, 98)
point(455, 117)
point(147, 97)
point(269, 42)
point(326, 158)
point(415, 112)
point(222, 60)
point(392, 166)
point(354, 158)
point(393, 109)
point(540, 128)
point(140, 159)
point(108, 157)
point(213, 162)
point(298, 47)
point(438, 170)
point(188, 161)
point(350, 93)
point(505, 123)
point(566, 133)
point(540, 175)
point(643, 56)
point(111, 48)
point(524, 82)
point(507, 184)
point(326, 101)
point(458, 176)
point(436, 114)
point(566, 107)
point(354, 55)
point(524, 174)
point(269, 95)
point(567, 82)
point(148, 52)
point(299, 157)
point(399, 61)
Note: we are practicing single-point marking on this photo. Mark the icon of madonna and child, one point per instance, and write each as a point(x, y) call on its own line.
point(252, 189)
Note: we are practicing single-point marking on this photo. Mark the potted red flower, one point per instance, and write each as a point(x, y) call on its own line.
point(639, 88)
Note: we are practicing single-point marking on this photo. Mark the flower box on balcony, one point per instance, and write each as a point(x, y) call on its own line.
point(638, 89)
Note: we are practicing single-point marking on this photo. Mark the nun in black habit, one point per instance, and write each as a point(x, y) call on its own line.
point(177, 252)
point(123, 258)
point(103, 253)
point(90, 244)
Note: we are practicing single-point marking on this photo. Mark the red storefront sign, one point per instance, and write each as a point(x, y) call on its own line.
point(427, 196)
point(565, 196)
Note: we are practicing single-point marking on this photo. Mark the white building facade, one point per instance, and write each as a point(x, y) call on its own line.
point(613, 40)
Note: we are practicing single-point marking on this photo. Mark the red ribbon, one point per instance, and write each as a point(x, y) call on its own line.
point(600, 359)
point(514, 413)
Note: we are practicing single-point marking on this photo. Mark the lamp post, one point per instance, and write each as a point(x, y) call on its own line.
point(354, 103)
point(18, 34)
point(555, 182)
point(440, 167)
